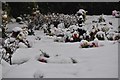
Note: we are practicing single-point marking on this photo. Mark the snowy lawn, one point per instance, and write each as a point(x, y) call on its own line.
point(99, 62)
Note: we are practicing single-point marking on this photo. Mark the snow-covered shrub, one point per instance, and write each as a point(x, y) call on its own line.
point(94, 43)
point(84, 44)
point(100, 35)
point(73, 27)
point(2, 53)
point(75, 36)
point(44, 27)
point(86, 37)
point(61, 25)
point(18, 19)
point(117, 36)
point(105, 28)
point(101, 18)
point(110, 35)
point(113, 36)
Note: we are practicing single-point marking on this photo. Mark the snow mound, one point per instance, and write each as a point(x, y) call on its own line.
point(38, 74)
point(22, 45)
point(16, 29)
point(5, 64)
point(23, 55)
point(61, 60)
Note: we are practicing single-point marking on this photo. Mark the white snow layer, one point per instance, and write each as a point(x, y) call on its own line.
point(99, 62)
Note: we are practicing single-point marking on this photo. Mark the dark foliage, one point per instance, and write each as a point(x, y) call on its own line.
point(93, 8)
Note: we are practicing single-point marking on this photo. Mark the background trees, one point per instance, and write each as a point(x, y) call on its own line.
point(94, 8)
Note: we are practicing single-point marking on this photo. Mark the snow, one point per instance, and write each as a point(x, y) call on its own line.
point(73, 27)
point(11, 26)
point(5, 16)
point(0, 71)
point(0, 30)
point(17, 29)
point(61, 25)
point(19, 18)
point(98, 62)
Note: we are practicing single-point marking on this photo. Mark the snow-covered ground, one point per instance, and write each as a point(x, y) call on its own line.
point(99, 62)
point(0, 71)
